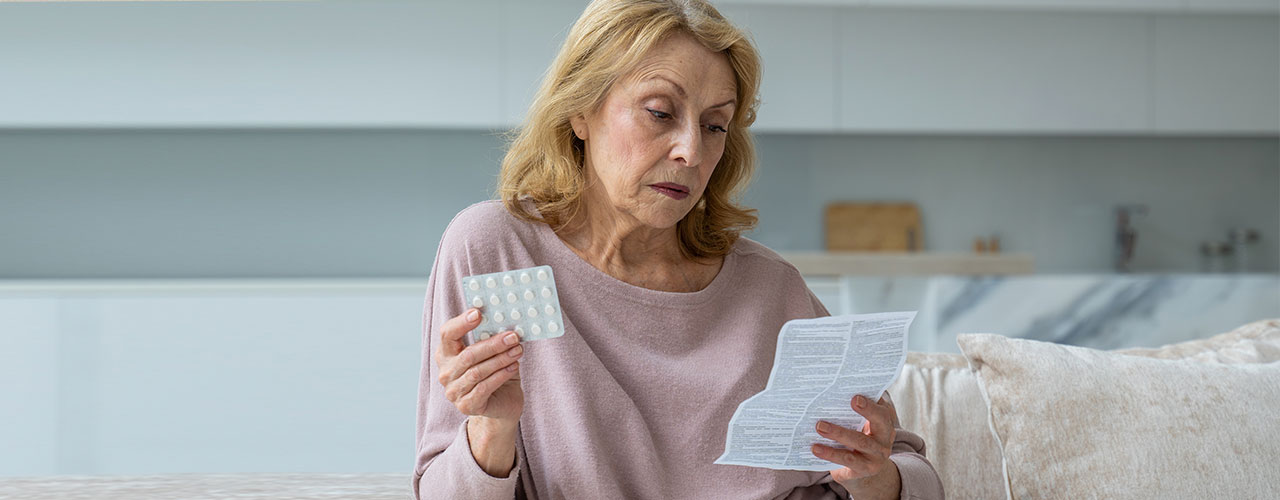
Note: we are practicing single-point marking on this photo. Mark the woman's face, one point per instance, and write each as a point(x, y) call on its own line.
point(652, 145)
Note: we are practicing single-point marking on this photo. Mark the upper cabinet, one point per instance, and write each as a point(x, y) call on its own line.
point(1222, 6)
point(249, 64)
point(1215, 74)
point(991, 72)
point(531, 33)
point(857, 66)
point(798, 50)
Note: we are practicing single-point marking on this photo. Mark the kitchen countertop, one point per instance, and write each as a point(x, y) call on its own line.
point(923, 263)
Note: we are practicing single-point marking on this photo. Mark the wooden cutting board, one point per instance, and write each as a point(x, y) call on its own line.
point(873, 227)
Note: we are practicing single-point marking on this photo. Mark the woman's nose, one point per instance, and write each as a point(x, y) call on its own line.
point(688, 145)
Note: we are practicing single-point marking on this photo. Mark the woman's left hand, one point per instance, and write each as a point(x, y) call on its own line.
point(867, 472)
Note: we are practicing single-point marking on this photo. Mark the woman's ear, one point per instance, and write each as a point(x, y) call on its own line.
point(579, 124)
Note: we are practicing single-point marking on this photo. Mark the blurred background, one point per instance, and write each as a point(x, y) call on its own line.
point(217, 219)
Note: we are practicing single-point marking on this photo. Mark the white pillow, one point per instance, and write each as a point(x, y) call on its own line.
point(937, 397)
point(1074, 422)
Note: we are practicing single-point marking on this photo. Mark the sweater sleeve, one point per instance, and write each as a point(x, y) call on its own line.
point(445, 467)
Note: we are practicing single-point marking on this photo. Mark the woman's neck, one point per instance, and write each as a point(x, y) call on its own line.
point(624, 248)
point(611, 240)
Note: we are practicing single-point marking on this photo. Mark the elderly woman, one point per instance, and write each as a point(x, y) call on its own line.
point(624, 181)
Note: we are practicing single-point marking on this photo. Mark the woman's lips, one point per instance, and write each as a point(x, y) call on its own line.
point(675, 191)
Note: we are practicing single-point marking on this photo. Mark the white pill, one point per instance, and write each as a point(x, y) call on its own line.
point(546, 292)
point(477, 301)
point(493, 299)
point(551, 325)
point(537, 330)
point(484, 319)
point(528, 295)
point(519, 331)
point(484, 335)
point(515, 314)
point(524, 278)
point(490, 282)
point(499, 317)
point(511, 297)
point(542, 275)
point(507, 280)
point(533, 313)
point(474, 285)
point(550, 310)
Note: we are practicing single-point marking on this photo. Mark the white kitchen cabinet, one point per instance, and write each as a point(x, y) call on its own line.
point(859, 66)
point(1215, 74)
point(455, 77)
point(259, 382)
point(210, 378)
point(1066, 5)
point(29, 383)
point(249, 64)
point(798, 50)
point(992, 72)
point(532, 33)
point(1200, 6)
point(1253, 6)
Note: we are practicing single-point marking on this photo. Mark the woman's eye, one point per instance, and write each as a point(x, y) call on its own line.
point(658, 114)
point(717, 128)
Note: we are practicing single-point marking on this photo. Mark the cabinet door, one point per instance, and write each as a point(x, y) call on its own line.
point(1096, 5)
point(454, 78)
point(1001, 72)
point(1266, 6)
point(1216, 74)
point(532, 34)
point(252, 381)
point(29, 399)
point(160, 64)
point(797, 51)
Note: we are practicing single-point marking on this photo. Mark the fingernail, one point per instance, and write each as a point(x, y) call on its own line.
point(473, 315)
point(824, 427)
point(515, 352)
point(511, 339)
point(859, 401)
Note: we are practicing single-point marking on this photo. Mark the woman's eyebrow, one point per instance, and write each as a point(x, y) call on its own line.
point(681, 92)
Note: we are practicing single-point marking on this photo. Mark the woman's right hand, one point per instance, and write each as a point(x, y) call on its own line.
point(482, 379)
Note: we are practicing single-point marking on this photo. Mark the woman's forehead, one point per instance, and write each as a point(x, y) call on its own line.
point(704, 74)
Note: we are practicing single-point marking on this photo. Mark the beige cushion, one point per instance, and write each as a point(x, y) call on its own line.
point(1074, 422)
point(1257, 342)
point(937, 397)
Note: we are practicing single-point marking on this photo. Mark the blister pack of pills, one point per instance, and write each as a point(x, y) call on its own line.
point(523, 300)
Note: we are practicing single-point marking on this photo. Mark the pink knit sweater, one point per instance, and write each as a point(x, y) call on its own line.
point(635, 399)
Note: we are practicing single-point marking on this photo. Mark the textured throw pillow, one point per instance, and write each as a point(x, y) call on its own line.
point(1257, 342)
point(937, 397)
point(1074, 422)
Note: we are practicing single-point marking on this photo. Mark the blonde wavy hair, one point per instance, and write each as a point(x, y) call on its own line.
point(544, 162)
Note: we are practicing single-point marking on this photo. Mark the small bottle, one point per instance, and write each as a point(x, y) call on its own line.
point(993, 244)
point(1227, 257)
point(1206, 257)
point(979, 245)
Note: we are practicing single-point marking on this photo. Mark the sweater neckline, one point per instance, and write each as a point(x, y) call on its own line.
point(614, 286)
